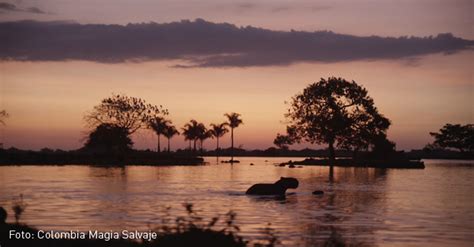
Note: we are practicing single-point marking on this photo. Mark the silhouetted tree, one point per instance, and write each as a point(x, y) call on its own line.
point(109, 138)
point(3, 115)
point(123, 111)
point(460, 137)
point(203, 134)
point(217, 131)
point(432, 147)
point(336, 112)
point(382, 148)
point(158, 125)
point(169, 132)
point(282, 141)
point(187, 132)
point(192, 131)
point(367, 131)
point(234, 121)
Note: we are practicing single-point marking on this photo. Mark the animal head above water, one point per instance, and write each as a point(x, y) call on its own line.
point(291, 183)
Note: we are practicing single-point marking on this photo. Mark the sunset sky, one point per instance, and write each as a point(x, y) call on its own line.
point(52, 73)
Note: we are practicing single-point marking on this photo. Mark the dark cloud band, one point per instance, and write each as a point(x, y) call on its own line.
point(11, 7)
point(204, 44)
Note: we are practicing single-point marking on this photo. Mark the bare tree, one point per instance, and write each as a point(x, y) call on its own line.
point(123, 111)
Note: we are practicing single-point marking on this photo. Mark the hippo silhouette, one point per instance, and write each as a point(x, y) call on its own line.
point(277, 188)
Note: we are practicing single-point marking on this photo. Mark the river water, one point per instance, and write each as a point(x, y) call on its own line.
point(361, 206)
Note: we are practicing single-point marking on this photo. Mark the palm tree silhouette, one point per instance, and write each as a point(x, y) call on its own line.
point(169, 132)
point(192, 132)
point(188, 135)
point(203, 134)
point(158, 125)
point(233, 121)
point(217, 131)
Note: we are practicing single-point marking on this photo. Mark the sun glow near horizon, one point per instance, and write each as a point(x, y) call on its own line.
point(47, 100)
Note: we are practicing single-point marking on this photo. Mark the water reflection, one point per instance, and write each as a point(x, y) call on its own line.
point(347, 209)
point(360, 206)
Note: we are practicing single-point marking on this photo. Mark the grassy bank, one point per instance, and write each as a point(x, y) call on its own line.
point(190, 230)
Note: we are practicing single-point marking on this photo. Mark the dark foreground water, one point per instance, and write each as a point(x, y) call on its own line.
point(361, 206)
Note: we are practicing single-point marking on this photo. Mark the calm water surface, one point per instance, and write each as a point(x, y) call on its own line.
point(361, 206)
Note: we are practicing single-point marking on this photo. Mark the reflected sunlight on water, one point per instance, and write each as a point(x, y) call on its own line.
point(361, 206)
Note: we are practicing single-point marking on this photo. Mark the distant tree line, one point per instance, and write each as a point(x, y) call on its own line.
point(332, 111)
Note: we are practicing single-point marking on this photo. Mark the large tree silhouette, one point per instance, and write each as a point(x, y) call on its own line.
point(218, 131)
point(125, 112)
point(456, 136)
point(109, 138)
point(234, 121)
point(169, 132)
point(158, 125)
point(338, 113)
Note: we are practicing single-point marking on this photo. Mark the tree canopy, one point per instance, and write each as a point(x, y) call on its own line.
point(282, 141)
point(109, 138)
point(194, 131)
point(455, 136)
point(170, 131)
point(159, 125)
point(234, 119)
point(219, 130)
point(336, 112)
point(125, 112)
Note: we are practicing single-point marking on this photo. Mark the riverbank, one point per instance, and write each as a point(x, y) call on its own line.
point(399, 163)
point(77, 157)
point(415, 154)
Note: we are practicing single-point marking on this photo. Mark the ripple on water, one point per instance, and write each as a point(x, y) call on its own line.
point(360, 206)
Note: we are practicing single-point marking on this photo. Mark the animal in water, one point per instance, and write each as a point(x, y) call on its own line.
point(291, 166)
point(277, 188)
